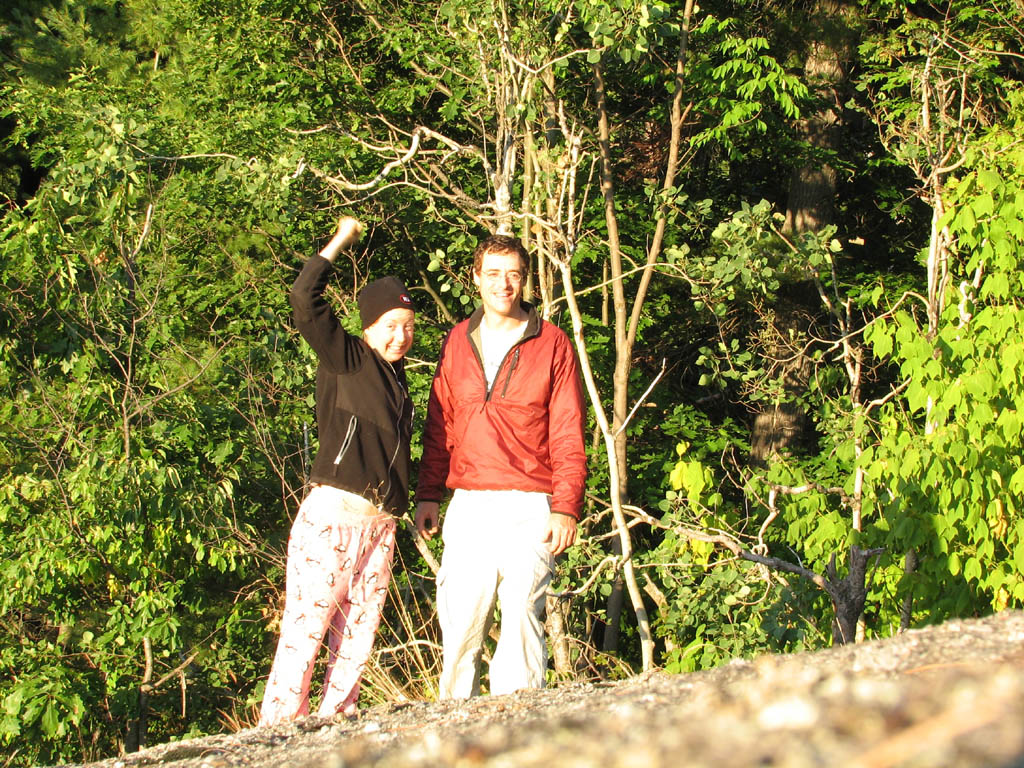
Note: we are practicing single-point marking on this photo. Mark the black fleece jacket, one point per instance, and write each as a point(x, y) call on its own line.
point(363, 409)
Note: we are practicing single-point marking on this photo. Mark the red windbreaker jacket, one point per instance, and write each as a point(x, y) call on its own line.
point(524, 433)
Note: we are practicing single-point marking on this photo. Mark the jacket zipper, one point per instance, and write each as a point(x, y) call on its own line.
point(489, 388)
point(515, 361)
point(511, 368)
point(398, 430)
point(352, 422)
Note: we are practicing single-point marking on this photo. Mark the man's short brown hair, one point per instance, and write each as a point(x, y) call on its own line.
point(503, 244)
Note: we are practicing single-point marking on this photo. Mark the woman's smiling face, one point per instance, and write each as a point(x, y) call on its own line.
point(391, 334)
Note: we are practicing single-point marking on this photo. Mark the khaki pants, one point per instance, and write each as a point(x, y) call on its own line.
point(339, 565)
point(493, 547)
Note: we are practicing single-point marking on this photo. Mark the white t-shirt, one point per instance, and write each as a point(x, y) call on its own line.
point(496, 344)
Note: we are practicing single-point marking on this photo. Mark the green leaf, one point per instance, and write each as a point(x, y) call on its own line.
point(953, 563)
point(881, 339)
point(983, 205)
point(13, 701)
point(50, 720)
point(1016, 484)
point(972, 569)
point(989, 179)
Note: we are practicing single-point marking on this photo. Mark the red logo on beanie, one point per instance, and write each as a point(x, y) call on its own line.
point(404, 298)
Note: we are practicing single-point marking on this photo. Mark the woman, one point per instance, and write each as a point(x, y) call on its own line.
point(342, 541)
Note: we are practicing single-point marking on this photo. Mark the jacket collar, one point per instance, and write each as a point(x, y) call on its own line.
point(533, 321)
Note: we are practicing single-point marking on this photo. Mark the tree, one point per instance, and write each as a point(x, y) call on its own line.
point(949, 499)
point(889, 500)
point(154, 401)
point(167, 170)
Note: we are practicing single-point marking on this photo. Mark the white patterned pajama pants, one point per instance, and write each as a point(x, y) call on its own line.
point(340, 552)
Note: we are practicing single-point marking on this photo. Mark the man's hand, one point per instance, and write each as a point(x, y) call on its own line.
point(346, 234)
point(426, 518)
point(561, 533)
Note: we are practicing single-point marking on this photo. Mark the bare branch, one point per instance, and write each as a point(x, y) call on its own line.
point(417, 135)
point(151, 687)
point(733, 545)
point(613, 560)
point(625, 422)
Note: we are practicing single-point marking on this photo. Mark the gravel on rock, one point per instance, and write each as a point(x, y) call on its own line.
point(948, 695)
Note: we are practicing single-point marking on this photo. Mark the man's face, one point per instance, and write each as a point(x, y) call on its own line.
point(391, 335)
point(500, 281)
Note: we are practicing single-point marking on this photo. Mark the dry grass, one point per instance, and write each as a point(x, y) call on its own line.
point(239, 718)
point(406, 661)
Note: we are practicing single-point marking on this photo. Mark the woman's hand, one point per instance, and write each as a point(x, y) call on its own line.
point(345, 235)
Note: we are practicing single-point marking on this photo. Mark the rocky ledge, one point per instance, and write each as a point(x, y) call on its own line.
point(949, 695)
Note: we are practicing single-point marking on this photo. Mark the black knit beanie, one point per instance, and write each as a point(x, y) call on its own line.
point(381, 296)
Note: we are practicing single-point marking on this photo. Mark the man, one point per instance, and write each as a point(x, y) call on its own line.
point(504, 430)
point(342, 541)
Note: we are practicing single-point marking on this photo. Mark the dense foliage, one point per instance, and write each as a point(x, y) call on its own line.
point(826, 196)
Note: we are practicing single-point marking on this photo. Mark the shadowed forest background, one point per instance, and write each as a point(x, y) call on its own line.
point(785, 236)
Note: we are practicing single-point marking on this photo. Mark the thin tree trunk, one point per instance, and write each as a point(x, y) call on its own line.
point(136, 737)
point(676, 120)
point(907, 609)
point(626, 330)
point(620, 378)
point(559, 640)
point(849, 595)
point(613, 607)
point(629, 573)
point(782, 427)
point(526, 235)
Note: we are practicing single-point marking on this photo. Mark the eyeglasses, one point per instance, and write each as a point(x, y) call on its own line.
point(497, 276)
